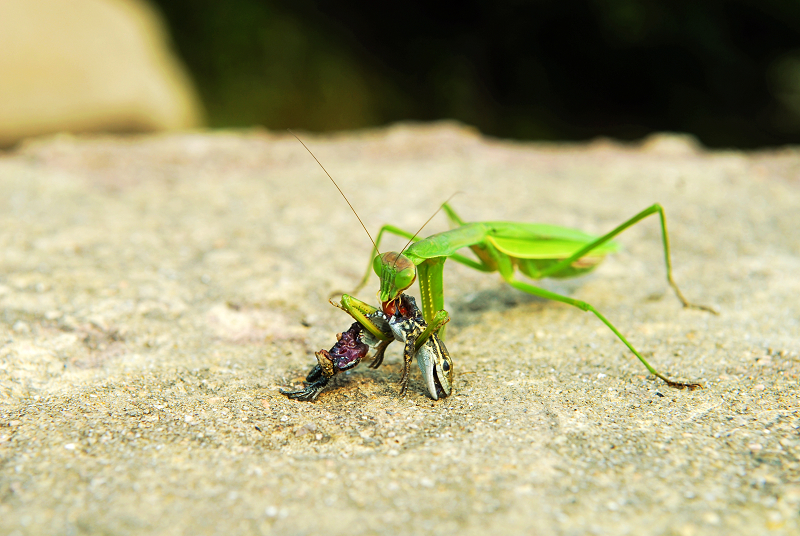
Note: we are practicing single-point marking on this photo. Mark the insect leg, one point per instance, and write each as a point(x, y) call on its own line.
point(408, 355)
point(433, 328)
point(452, 216)
point(345, 354)
point(366, 315)
point(554, 269)
point(536, 291)
point(379, 351)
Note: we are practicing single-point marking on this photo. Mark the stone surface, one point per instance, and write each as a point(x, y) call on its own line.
point(89, 65)
point(156, 292)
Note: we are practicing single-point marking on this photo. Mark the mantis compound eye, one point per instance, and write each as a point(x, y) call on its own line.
point(377, 265)
point(405, 278)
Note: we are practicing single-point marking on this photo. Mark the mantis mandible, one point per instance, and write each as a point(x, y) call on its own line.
point(536, 250)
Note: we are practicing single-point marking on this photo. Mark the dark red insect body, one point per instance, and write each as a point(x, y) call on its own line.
point(348, 350)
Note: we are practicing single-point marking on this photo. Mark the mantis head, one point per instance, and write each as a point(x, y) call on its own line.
point(396, 272)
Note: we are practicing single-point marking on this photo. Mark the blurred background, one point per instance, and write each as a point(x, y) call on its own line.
point(726, 71)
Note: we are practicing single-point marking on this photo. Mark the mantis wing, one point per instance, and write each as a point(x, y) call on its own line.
point(519, 240)
point(542, 241)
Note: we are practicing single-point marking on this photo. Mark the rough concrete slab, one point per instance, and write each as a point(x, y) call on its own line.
point(156, 292)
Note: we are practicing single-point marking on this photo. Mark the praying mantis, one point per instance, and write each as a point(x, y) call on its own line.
point(536, 250)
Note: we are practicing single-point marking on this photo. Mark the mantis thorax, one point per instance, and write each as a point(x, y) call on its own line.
point(396, 272)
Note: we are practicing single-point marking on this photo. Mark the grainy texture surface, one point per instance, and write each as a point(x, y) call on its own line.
point(156, 292)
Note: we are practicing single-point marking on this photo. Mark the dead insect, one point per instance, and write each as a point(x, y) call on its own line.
point(400, 320)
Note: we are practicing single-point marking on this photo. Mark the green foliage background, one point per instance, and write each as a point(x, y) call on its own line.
point(727, 71)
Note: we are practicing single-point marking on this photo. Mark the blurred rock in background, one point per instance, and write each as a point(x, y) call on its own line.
point(89, 65)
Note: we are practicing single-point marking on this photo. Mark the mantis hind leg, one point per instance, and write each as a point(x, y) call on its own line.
point(554, 269)
point(536, 291)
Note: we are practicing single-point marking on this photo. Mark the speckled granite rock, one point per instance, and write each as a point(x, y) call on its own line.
point(156, 292)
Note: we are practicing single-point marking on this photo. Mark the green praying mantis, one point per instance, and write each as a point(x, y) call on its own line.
point(536, 250)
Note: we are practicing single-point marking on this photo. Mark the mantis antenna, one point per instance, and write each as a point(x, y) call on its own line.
point(424, 224)
point(344, 196)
